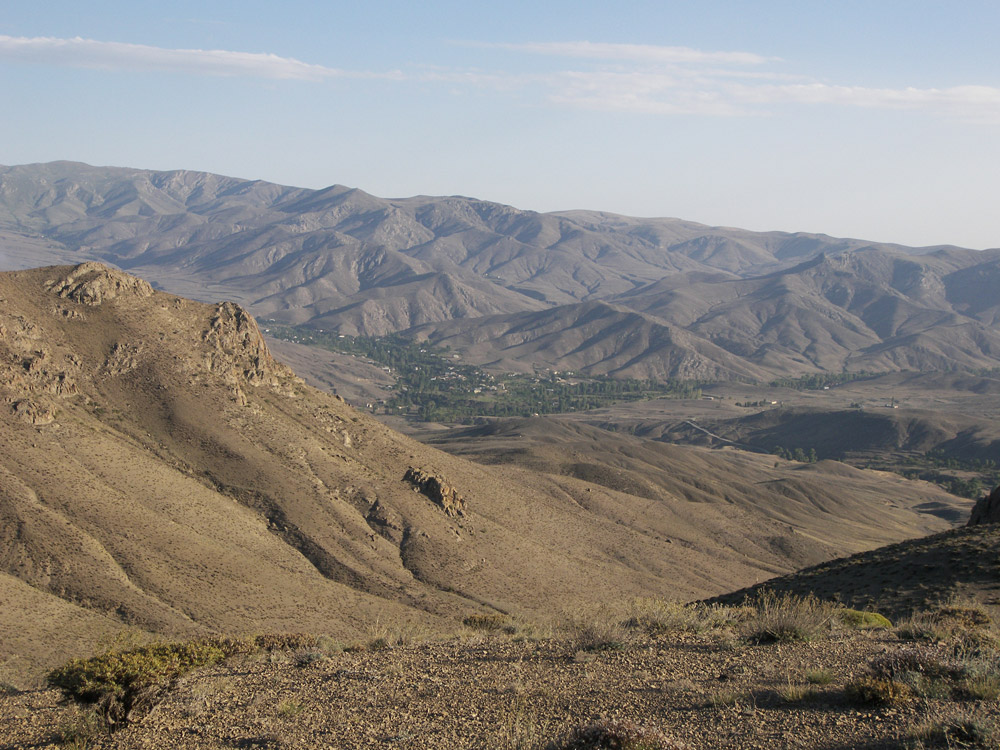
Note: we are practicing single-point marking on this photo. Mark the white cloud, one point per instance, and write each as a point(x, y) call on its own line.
point(648, 53)
point(681, 80)
point(637, 78)
point(89, 53)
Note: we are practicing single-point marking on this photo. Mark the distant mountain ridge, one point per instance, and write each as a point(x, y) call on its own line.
point(511, 288)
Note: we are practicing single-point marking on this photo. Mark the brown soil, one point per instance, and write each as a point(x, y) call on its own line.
point(710, 691)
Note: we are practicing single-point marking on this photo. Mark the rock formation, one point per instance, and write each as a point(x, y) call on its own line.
point(986, 509)
point(437, 490)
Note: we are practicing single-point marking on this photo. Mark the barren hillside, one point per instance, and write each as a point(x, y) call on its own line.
point(162, 471)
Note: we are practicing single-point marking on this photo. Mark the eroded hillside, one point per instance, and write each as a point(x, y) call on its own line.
point(161, 470)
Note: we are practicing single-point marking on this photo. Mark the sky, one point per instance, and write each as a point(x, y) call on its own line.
point(877, 120)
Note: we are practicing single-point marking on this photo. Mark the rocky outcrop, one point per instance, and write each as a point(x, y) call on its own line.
point(33, 412)
point(437, 490)
point(123, 358)
point(29, 365)
point(238, 343)
point(986, 509)
point(385, 521)
point(239, 355)
point(95, 283)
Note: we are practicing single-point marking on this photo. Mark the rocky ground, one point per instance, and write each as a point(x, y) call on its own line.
point(715, 689)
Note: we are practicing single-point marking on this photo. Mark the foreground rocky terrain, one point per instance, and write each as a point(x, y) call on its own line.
point(680, 677)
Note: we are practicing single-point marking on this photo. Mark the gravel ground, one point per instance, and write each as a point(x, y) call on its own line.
point(496, 693)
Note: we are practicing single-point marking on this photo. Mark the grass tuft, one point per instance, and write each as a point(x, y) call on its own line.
point(787, 617)
point(819, 676)
point(959, 731)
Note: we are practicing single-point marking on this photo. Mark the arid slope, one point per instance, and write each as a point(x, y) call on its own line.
point(159, 469)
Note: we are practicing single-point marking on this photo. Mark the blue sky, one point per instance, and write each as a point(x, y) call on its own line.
point(878, 120)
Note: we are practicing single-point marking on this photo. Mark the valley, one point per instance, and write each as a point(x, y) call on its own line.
point(371, 422)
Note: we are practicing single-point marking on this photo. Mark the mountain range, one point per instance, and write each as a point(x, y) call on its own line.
point(512, 289)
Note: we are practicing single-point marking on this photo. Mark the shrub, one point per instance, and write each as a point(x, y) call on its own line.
point(489, 622)
point(80, 731)
point(970, 616)
point(600, 632)
point(961, 731)
point(788, 617)
point(878, 691)
point(120, 683)
point(912, 660)
point(962, 624)
point(728, 697)
point(858, 620)
point(796, 693)
point(657, 616)
point(819, 676)
point(982, 686)
point(615, 735)
point(926, 687)
point(123, 684)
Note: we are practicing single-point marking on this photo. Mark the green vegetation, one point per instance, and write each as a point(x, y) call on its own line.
point(934, 465)
point(858, 620)
point(820, 380)
point(122, 684)
point(434, 386)
point(797, 454)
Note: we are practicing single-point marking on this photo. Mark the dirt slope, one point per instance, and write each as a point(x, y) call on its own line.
point(158, 468)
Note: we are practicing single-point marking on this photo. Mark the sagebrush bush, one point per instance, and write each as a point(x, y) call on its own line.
point(959, 731)
point(878, 691)
point(615, 735)
point(121, 684)
point(788, 617)
point(490, 622)
point(659, 616)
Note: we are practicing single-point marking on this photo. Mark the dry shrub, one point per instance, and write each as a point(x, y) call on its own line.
point(962, 730)
point(788, 617)
point(598, 634)
point(490, 622)
point(792, 693)
point(383, 636)
point(967, 615)
point(927, 662)
point(615, 735)
point(878, 691)
point(964, 624)
point(658, 616)
point(819, 676)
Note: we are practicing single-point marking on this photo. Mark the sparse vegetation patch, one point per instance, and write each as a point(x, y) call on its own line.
point(788, 617)
point(122, 684)
point(615, 735)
